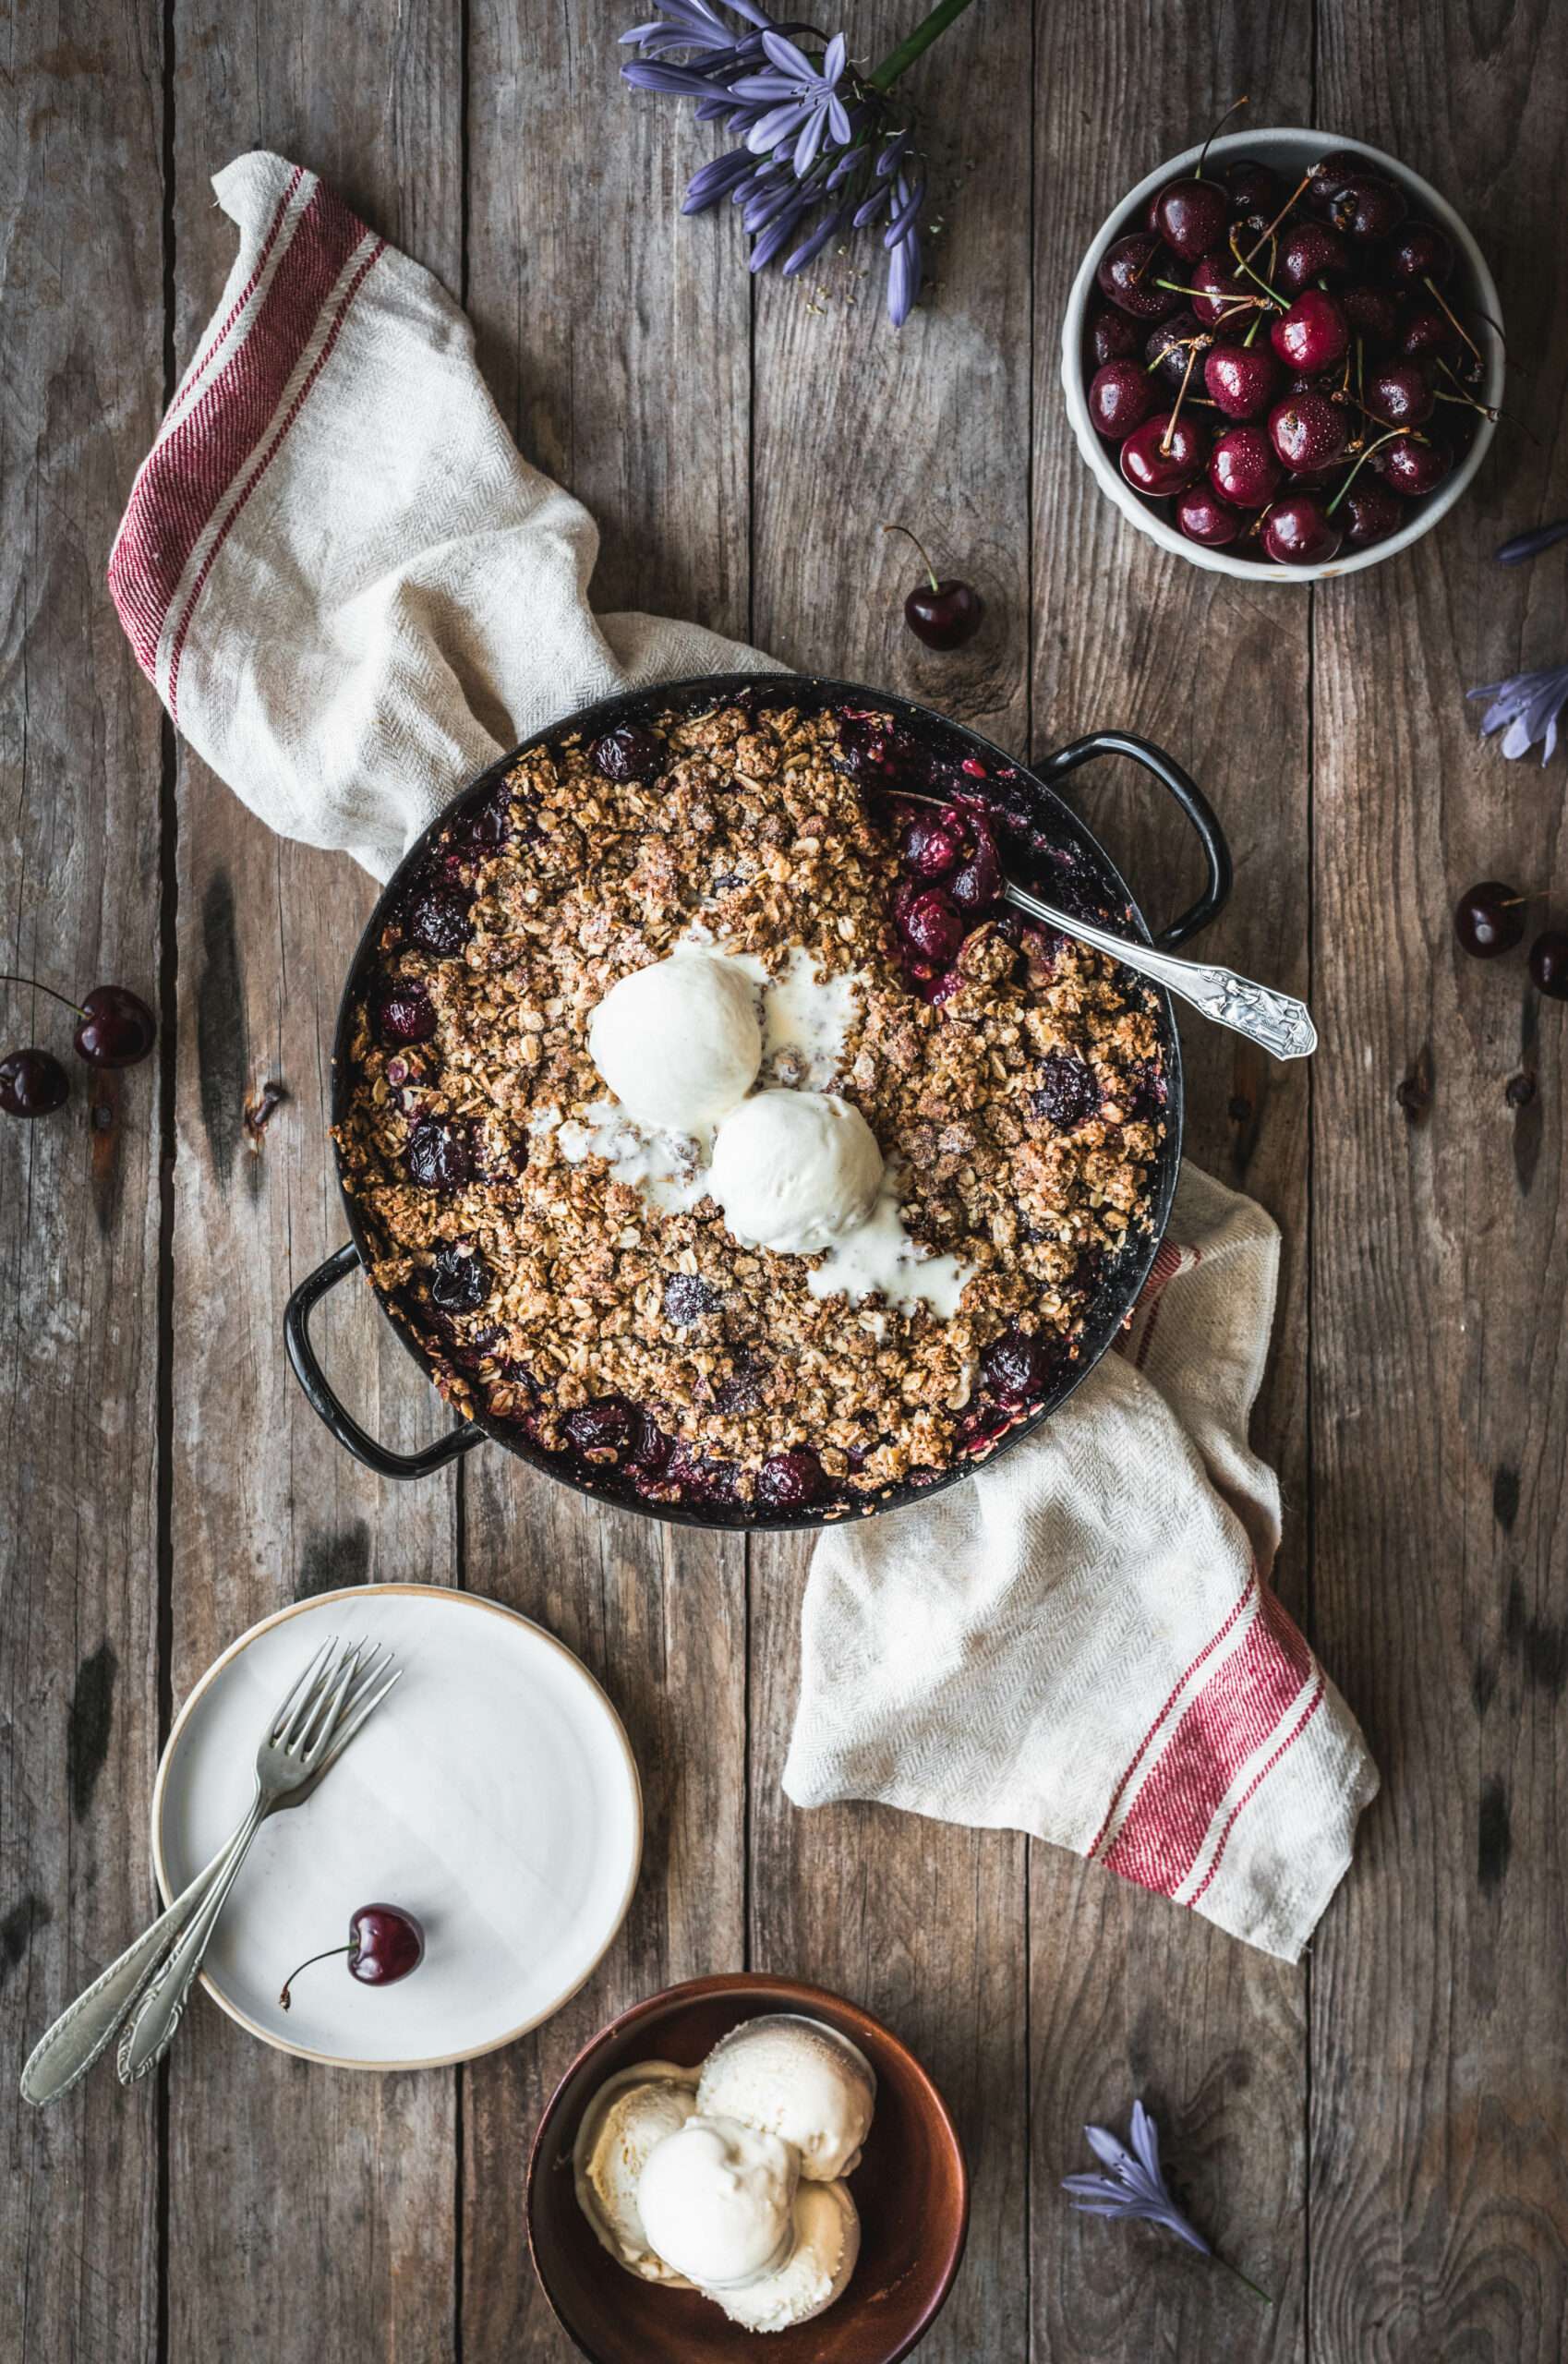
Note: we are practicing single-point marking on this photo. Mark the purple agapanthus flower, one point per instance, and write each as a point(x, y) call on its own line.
point(803, 102)
point(1529, 704)
point(1134, 2185)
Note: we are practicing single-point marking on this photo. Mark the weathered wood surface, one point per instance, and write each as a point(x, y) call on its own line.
point(1378, 2136)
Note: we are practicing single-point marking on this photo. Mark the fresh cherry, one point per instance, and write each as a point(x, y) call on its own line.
point(1169, 348)
point(114, 1027)
point(1549, 964)
point(1130, 273)
point(1223, 295)
point(1121, 396)
point(628, 753)
point(1426, 334)
point(1252, 187)
point(1299, 532)
point(942, 614)
point(1191, 217)
point(1370, 512)
point(384, 1944)
point(1203, 517)
point(33, 1084)
point(1307, 432)
point(1164, 454)
point(790, 1482)
point(1311, 251)
point(1372, 312)
point(1241, 378)
point(1421, 253)
point(1243, 468)
point(1401, 395)
point(1113, 337)
point(1335, 172)
point(1313, 334)
point(1414, 464)
point(1488, 919)
point(1368, 209)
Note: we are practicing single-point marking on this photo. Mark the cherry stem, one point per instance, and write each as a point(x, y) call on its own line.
point(306, 1964)
point(1453, 323)
point(1242, 303)
point(1393, 437)
point(1198, 168)
point(1468, 400)
point(1199, 344)
point(1244, 262)
point(1279, 217)
point(9, 977)
point(1176, 406)
point(920, 546)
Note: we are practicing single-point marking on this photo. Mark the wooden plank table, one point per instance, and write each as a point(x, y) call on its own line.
point(1377, 2136)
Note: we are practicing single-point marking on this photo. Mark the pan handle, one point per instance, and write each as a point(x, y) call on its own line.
point(325, 1405)
point(1193, 803)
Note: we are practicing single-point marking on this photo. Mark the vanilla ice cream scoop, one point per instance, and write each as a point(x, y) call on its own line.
point(827, 2230)
point(795, 1171)
point(799, 2079)
point(679, 1044)
point(716, 2200)
point(623, 2123)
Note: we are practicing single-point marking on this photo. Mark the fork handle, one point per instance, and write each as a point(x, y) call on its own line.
point(62, 2058)
point(151, 2031)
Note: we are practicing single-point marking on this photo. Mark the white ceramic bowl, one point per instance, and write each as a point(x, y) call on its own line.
point(1288, 153)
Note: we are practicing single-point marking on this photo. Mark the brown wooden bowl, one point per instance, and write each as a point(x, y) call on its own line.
point(912, 2189)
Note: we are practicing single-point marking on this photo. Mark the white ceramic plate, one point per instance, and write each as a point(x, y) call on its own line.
point(493, 1793)
point(1288, 153)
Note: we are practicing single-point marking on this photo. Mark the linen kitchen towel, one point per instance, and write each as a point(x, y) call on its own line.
point(347, 587)
point(1083, 1641)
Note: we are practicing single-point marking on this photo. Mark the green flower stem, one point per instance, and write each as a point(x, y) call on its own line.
point(929, 30)
point(1241, 2277)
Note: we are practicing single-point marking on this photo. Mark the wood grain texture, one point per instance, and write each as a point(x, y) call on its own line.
point(301, 2202)
point(1440, 2031)
point(857, 425)
point(82, 274)
point(637, 400)
point(1128, 1994)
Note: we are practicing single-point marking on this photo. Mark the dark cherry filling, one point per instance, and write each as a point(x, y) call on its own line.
point(1017, 1367)
point(460, 1280)
point(686, 1300)
point(604, 1426)
point(792, 1481)
point(629, 752)
point(438, 1157)
point(1067, 1092)
point(438, 923)
point(404, 1012)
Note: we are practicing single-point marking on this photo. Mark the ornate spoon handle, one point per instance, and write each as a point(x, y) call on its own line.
point(1278, 1021)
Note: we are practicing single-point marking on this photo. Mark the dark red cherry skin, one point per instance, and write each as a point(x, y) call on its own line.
point(1401, 395)
point(1370, 311)
point(927, 850)
point(1191, 217)
point(1549, 964)
point(385, 1944)
point(931, 927)
point(1129, 275)
point(404, 1012)
point(1242, 380)
point(438, 1157)
point(1243, 468)
point(1252, 187)
point(1113, 337)
point(460, 1280)
point(1334, 171)
point(438, 923)
point(1224, 295)
point(629, 752)
point(1310, 251)
point(1488, 919)
point(1307, 430)
point(1425, 334)
point(1016, 1367)
point(1368, 209)
point(1415, 464)
point(1156, 470)
point(1313, 334)
point(1121, 396)
point(790, 1482)
point(1370, 512)
point(946, 617)
point(1203, 517)
point(32, 1083)
point(119, 1030)
point(1170, 348)
point(1299, 532)
point(1420, 252)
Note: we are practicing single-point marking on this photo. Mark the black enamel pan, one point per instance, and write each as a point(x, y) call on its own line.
point(1044, 847)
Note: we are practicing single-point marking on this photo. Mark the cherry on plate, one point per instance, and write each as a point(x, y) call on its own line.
point(1311, 251)
point(1297, 531)
point(1549, 964)
point(1335, 172)
point(1113, 337)
point(1368, 209)
point(1426, 334)
point(1401, 395)
point(1372, 312)
point(1488, 919)
point(385, 1942)
point(1370, 512)
point(1421, 253)
point(1223, 295)
point(1252, 187)
point(32, 1083)
point(1170, 347)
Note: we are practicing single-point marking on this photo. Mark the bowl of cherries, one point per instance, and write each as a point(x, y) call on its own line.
point(1283, 354)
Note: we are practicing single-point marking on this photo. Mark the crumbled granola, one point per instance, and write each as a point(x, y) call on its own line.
point(1023, 1099)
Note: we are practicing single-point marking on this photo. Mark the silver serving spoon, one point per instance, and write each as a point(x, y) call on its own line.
point(1277, 1021)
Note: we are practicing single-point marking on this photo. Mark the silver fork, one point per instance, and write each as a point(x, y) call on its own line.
point(67, 2051)
point(302, 1737)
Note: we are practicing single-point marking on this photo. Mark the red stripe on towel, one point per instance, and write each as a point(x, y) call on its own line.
point(1176, 1688)
point(1244, 1701)
point(1257, 1781)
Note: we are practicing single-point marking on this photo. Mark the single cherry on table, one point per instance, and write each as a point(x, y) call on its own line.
point(944, 614)
point(385, 1942)
point(1488, 919)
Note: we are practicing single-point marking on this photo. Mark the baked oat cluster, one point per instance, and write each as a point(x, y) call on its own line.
point(1013, 1075)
